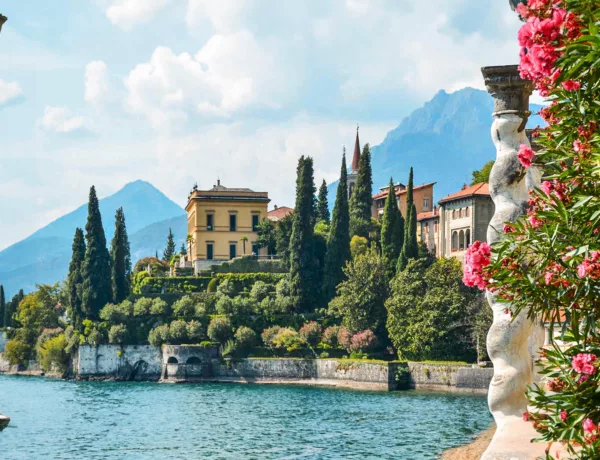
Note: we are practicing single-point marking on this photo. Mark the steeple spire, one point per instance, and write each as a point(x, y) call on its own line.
point(356, 157)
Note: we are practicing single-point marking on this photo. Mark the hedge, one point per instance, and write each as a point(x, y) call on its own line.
point(246, 280)
point(180, 284)
point(246, 264)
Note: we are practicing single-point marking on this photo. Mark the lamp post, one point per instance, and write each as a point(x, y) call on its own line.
point(4, 420)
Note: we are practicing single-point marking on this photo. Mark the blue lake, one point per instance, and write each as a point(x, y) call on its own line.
point(106, 420)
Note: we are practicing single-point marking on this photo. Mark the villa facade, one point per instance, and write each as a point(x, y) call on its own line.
point(422, 198)
point(222, 223)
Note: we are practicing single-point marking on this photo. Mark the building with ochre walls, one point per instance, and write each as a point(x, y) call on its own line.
point(222, 223)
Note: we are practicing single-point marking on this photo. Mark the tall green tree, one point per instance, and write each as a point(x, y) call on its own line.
point(361, 200)
point(483, 175)
point(121, 259)
point(2, 305)
point(410, 247)
point(338, 242)
point(283, 235)
point(169, 251)
point(392, 231)
point(266, 236)
point(303, 263)
point(323, 204)
point(183, 250)
point(11, 309)
point(96, 290)
point(75, 280)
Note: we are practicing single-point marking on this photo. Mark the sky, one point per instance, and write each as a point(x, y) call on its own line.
point(174, 92)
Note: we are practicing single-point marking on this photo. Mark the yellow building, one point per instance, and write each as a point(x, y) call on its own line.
point(222, 223)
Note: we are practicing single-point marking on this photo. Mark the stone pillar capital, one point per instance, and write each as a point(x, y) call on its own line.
point(510, 92)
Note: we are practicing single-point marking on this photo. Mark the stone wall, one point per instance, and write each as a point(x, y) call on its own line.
point(141, 362)
point(3, 341)
point(448, 377)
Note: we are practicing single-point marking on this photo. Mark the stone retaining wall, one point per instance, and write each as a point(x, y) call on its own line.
point(132, 362)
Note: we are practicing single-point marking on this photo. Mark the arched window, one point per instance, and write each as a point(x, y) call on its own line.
point(467, 212)
point(461, 240)
point(454, 213)
point(454, 241)
point(193, 360)
point(172, 360)
point(468, 238)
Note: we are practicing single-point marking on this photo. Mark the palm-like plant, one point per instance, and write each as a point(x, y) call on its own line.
point(243, 240)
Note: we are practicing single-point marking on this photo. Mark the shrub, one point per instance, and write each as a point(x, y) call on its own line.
point(212, 285)
point(95, 337)
point(17, 352)
point(156, 265)
point(177, 332)
point(269, 334)
point(343, 337)
point(358, 246)
point(159, 307)
point(289, 339)
point(228, 348)
point(159, 335)
point(330, 336)
point(245, 337)
point(202, 309)
point(261, 290)
point(282, 288)
point(219, 330)
point(225, 305)
point(184, 307)
point(72, 338)
point(243, 281)
point(117, 334)
point(52, 354)
point(227, 288)
point(194, 331)
point(311, 332)
point(180, 284)
point(142, 306)
point(114, 314)
point(362, 341)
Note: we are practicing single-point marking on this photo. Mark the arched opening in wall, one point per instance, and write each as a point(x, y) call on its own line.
point(460, 213)
point(467, 212)
point(461, 240)
point(468, 237)
point(193, 360)
point(454, 213)
point(172, 360)
point(454, 241)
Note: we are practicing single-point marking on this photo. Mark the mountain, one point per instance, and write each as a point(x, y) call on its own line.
point(444, 141)
point(44, 256)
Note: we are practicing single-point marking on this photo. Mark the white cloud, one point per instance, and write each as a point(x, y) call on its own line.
point(9, 91)
point(96, 82)
point(61, 120)
point(127, 13)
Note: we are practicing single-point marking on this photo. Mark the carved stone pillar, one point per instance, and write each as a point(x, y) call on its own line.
point(510, 342)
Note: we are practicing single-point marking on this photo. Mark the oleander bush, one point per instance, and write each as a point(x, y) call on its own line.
point(311, 333)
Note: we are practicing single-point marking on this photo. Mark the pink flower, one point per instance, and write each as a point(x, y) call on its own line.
point(584, 268)
point(547, 187)
point(535, 222)
point(589, 426)
point(525, 155)
point(523, 11)
point(508, 228)
point(477, 257)
point(571, 85)
point(526, 416)
point(548, 277)
point(578, 146)
point(563, 415)
point(583, 363)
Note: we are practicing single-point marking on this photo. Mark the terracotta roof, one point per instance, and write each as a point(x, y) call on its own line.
point(356, 157)
point(480, 189)
point(428, 215)
point(279, 213)
point(402, 192)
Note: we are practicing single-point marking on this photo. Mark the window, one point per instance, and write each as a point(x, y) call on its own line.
point(210, 222)
point(468, 237)
point(425, 203)
point(210, 253)
point(467, 212)
point(254, 249)
point(461, 241)
point(454, 213)
point(255, 222)
point(232, 250)
point(232, 222)
point(460, 213)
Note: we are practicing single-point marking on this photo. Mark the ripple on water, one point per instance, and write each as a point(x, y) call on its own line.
point(98, 420)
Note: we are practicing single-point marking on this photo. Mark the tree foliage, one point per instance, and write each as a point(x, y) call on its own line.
point(121, 259)
point(428, 312)
point(361, 200)
point(392, 230)
point(267, 236)
point(283, 235)
point(323, 204)
point(2, 306)
point(169, 251)
point(338, 242)
point(483, 174)
point(75, 280)
point(410, 247)
point(96, 287)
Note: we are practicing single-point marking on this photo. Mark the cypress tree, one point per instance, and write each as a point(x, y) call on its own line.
point(303, 264)
point(169, 251)
point(2, 305)
point(96, 266)
point(338, 242)
point(183, 250)
point(323, 205)
point(361, 200)
point(11, 309)
point(410, 247)
point(75, 280)
point(392, 230)
point(120, 255)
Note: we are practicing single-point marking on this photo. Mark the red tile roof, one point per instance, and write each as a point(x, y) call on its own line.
point(428, 215)
point(279, 213)
point(402, 192)
point(480, 189)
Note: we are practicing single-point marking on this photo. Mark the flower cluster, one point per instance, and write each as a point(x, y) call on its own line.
point(477, 258)
point(525, 155)
point(363, 341)
point(590, 266)
point(584, 363)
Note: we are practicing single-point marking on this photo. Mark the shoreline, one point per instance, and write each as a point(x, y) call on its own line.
point(472, 451)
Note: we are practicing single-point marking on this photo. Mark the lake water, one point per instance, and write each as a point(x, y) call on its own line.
point(105, 420)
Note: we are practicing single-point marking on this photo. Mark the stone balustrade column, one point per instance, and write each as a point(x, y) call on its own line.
point(510, 342)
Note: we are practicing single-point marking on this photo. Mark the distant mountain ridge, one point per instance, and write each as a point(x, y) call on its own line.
point(444, 141)
point(44, 256)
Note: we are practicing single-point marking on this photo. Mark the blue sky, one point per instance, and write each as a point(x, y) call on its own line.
point(174, 92)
